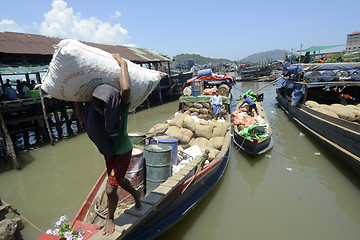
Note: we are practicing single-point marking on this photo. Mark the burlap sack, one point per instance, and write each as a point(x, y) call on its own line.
point(203, 131)
point(355, 110)
point(206, 105)
point(325, 106)
point(190, 104)
point(171, 131)
point(178, 120)
point(189, 123)
point(200, 141)
point(311, 104)
point(159, 127)
point(184, 135)
point(198, 105)
point(194, 109)
point(220, 129)
point(203, 110)
point(207, 123)
point(343, 112)
point(194, 114)
point(216, 142)
point(327, 112)
point(187, 112)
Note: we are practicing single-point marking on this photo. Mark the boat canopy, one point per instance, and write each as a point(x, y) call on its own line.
point(299, 88)
point(319, 48)
point(328, 66)
point(22, 70)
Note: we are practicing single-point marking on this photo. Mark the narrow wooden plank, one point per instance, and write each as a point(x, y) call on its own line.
point(184, 171)
point(152, 198)
point(138, 213)
point(125, 220)
point(170, 183)
point(162, 189)
point(176, 177)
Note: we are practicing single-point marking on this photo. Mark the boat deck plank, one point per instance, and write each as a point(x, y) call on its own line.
point(129, 219)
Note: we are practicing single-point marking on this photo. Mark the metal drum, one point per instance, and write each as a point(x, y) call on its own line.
point(135, 138)
point(158, 165)
point(172, 141)
point(196, 88)
point(135, 173)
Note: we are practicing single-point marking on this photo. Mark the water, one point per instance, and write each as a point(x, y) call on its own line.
point(297, 191)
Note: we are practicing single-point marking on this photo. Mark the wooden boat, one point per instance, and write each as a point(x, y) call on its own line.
point(340, 136)
point(162, 208)
point(252, 145)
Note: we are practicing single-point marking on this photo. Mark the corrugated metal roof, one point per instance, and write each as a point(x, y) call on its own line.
point(23, 43)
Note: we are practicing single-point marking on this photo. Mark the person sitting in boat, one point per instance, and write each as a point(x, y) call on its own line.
point(216, 102)
point(105, 118)
point(252, 104)
point(10, 93)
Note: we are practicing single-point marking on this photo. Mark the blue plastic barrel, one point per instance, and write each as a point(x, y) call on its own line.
point(327, 76)
point(312, 76)
point(204, 72)
point(196, 88)
point(171, 141)
point(354, 74)
point(158, 164)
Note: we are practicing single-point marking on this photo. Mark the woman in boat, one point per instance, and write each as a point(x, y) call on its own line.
point(105, 118)
point(252, 104)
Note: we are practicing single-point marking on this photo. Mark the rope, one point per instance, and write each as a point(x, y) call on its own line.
point(198, 169)
point(26, 220)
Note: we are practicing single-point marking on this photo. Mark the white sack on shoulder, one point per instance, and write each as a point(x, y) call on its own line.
point(76, 69)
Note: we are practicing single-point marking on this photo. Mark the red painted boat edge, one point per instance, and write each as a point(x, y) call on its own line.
point(90, 198)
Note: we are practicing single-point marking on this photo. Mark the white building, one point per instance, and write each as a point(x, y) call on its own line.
point(353, 42)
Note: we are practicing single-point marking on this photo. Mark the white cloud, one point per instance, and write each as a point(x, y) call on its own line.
point(117, 14)
point(10, 25)
point(61, 21)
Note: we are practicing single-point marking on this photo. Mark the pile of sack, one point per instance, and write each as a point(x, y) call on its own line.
point(191, 131)
point(346, 112)
point(202, 110)
point(242, 118)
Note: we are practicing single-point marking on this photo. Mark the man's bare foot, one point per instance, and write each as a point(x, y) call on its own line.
point(109, 227)
point(137, 200)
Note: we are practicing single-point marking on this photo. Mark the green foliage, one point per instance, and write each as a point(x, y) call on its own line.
point(200, 60)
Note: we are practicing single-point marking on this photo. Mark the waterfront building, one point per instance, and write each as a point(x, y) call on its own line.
point(353, 42)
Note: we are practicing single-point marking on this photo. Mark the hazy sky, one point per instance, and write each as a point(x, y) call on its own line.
point(230, 29)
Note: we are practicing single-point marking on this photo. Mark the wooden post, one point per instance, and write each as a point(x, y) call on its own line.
point(38, 79)
point(9, 143)
point(45, 117)
point(300, 54)
point(27, 78)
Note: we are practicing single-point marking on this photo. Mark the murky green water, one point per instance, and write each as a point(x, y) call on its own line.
point(290, 194)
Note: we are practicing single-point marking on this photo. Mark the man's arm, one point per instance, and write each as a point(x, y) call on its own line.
point(124, 80)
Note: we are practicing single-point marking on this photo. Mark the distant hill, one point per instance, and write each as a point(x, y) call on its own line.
point(265, 56)
point(200, 60)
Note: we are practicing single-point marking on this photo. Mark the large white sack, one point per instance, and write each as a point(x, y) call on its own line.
point(76, 69)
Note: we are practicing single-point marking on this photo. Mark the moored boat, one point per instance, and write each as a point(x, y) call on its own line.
point(252, 134)
point(195, 172)
point(328, 108)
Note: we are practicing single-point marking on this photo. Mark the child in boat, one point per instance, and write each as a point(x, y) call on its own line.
point(252, 104)
point(216, 102)
point(105, 118)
